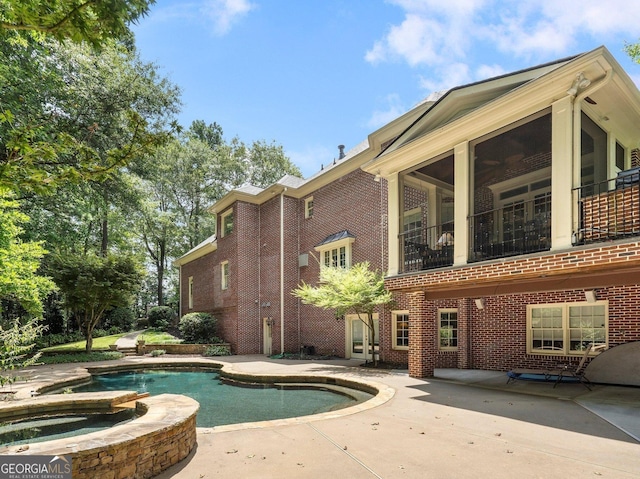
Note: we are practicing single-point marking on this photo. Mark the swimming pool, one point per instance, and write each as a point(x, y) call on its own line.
point(59, 426)
point(223, 402)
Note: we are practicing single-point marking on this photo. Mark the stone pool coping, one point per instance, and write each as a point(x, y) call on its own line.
point(45, 378)
point(162, 435)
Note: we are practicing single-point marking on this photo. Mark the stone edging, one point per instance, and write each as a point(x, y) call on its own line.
point(163, 434)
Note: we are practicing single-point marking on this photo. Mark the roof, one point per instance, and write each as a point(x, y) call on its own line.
point(336, 237)
point(207, 246)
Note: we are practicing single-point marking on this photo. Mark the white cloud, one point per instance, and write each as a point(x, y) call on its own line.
point(434, 32)
point(225, 13)
point(489, 71)
point(447, 77)
point(393, 109)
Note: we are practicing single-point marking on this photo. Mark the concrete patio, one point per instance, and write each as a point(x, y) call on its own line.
point(460, 424)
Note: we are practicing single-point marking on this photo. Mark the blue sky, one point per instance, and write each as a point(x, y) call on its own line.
point(313, 74)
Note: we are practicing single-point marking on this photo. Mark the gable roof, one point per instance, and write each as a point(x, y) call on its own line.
point(471, 111)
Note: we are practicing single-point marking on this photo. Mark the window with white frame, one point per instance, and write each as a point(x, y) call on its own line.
point(400, 327)
point(308, 207)
point(448, 329)
point(226, 222)
point(190, 292)
point(336, 253)
point(224, 269)
point(566, 328)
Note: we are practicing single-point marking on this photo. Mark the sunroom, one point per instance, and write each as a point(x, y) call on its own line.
point(516, 166)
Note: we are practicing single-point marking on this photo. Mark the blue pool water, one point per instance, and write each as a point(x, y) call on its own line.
point(48, 428)
point(223, 403)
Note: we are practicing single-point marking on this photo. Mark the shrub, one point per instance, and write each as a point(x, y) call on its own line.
point(120, 318)
point(47, 340)
point(198, 328)
point(157, 352)
point(217, 350)
point(161, 317)
point(142, 323)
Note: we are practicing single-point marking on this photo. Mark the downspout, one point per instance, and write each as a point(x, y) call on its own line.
point(282, 272)
point(260, 324)
point(180, 292)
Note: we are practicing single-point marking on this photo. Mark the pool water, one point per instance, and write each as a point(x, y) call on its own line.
point(48, 428)
point(224, 403)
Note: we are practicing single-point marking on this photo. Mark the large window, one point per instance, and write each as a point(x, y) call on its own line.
point(566, 328)
point(448, 329)
point(224, 270)
point(400, 326)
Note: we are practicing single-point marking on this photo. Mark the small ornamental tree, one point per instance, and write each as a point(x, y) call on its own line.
point(356, 290)
point(92, 285)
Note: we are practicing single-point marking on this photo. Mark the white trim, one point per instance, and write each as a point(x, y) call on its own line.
point(394, 329)
point(224, 275)
point(336, 245)
point(457, 328)
point(566, 329)
point(223, 217)
point(308, 212)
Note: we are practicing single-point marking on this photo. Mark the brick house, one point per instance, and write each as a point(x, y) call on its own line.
point(506, 214)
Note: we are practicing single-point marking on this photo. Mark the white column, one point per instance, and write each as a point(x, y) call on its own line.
point(393, 194)
point(563, 172)
point(462, 194)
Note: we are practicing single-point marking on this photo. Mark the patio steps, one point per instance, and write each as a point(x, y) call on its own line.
point(127, 350)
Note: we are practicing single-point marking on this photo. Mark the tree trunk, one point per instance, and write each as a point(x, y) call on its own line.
point(105, 224)
point(160, 269)
point(372, 338)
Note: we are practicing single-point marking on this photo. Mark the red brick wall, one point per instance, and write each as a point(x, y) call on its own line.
point(353, 202)
point(496, 335)
point(245, 277)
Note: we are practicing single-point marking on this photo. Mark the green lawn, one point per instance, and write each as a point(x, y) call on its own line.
point(151, 336)
point(102, 343)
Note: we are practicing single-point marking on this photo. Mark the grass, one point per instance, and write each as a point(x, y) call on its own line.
point(101, 343)
point(153, 336)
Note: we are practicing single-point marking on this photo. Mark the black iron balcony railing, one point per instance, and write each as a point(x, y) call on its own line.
point(427, 248)
point(521, 228)
point(608, 210)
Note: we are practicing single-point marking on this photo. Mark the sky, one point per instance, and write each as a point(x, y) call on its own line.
point(314, 74)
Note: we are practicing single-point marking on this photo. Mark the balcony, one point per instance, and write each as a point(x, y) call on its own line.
point(608, 210)
point(427, 248)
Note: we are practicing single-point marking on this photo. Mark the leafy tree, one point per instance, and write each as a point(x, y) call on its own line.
point(356, 290)
point(16, 343)
point(93, 21)
point(161, 317)
point(70, 114)
point(633, 50)
point(19, 261)
point(94, 284)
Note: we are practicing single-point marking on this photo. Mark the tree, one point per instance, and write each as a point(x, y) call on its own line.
point(92, 21)
point(70, 114)
point(16, 343)
point(94, 284)
point(20, 261)
point(356, 290)
point(633, 50)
